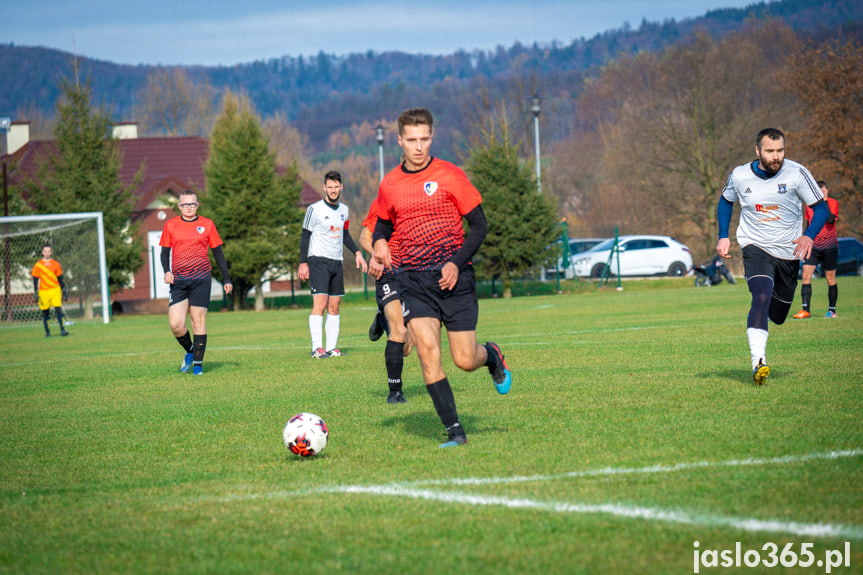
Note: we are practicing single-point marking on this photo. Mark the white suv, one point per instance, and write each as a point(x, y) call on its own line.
point(577, 246)
point(639, 256)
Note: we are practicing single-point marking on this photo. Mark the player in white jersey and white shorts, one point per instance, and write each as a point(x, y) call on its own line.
point(771, 191)
point(325, 229)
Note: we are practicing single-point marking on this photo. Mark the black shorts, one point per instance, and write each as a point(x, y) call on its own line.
point(757, 262)
point(826, 257)
point(326, 277)
point(387, 289)
point(196, 291)
point(457, 309)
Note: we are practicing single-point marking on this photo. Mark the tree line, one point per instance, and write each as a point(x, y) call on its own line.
point(644, 146)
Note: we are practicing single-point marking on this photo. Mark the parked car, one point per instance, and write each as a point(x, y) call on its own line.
point(639, 256)
point(576, 246)
point(848, 263)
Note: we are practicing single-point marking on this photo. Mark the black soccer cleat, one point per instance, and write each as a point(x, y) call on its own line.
point(376, 330)
point(455, 436)
point(397, 397)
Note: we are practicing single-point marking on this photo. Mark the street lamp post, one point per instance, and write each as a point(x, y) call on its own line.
point(536, 109)
point(379, 134)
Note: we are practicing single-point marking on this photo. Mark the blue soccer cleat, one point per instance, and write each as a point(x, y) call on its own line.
point(500, 374)
point(187, 363)
point(198, 370)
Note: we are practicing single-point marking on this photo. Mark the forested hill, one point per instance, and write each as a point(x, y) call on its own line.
point(325, 93)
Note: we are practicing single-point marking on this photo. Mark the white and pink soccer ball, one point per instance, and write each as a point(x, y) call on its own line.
point(306, 435)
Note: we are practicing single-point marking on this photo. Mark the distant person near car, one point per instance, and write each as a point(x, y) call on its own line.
point(825, 250)
point(771, 191)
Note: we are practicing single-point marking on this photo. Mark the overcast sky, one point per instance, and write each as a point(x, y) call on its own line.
point(214, 32)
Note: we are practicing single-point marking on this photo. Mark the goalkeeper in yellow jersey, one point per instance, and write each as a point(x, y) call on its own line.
point(48, 288)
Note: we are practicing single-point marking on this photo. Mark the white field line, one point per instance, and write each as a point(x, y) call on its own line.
point(413, 491)
point(617, 510)
point(612, 471)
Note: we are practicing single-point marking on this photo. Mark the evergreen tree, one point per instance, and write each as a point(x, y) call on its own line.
point(82, 175)
point(521, 222)
point(256, 210)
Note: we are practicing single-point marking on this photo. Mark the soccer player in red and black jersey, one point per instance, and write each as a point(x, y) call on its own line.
point(185, 241)
point(825, 250)
point(389, 310)
point(421, 207)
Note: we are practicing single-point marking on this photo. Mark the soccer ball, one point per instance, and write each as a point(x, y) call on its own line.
point(306, 434)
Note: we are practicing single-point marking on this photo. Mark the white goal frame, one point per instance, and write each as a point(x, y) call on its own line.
point(100, 236)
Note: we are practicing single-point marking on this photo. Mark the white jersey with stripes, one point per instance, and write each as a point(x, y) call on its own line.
point(328, 226)
point(771, 210)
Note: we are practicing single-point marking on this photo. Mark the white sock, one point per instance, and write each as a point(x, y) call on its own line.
point(332, 327)
point(757, 345)
point(316, 328)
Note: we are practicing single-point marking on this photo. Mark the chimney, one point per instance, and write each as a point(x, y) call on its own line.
point(17, 137)
point(125, 131)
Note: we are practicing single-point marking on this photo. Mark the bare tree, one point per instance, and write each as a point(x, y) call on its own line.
point(670, 126)
point(829, 81)
point(171, 104)
point(289, 145)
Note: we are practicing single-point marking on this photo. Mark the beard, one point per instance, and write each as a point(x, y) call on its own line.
point(771, 168)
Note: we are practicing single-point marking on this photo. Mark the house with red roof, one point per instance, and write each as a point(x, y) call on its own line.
point(168, 166)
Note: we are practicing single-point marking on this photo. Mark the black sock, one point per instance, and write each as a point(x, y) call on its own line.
point(185, 342)
point(59, 313)
point(200, 347)
point(45, 315)
point(832, 296)
point(444, 402)
point(395, 360)
point(806, 295)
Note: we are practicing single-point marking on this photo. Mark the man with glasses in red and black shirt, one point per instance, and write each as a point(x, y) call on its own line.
point(185, 241)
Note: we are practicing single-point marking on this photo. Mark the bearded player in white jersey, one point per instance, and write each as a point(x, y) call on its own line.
point(771, 191)
point(325, 229)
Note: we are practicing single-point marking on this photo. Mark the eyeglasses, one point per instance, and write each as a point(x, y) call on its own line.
point(188, 205)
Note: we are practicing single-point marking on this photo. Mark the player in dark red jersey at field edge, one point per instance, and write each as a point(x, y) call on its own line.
point(421, 206)
point(825, 250)
point(185, 241)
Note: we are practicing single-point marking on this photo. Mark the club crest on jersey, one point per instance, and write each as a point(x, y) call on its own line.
point(200, 229)
point(782, 189)
point(430, 187)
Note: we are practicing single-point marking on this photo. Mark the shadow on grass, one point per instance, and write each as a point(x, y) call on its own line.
point(426, 424)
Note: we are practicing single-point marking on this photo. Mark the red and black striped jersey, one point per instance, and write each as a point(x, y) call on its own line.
point(372, 220)
point(189, 242)
point(426, 209)
point(826, 238)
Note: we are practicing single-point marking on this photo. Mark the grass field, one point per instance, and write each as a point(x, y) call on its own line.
point(632, 432)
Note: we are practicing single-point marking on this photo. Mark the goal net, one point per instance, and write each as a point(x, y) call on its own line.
point(78, 242)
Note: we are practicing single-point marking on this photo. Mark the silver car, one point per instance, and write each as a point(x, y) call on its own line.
point(638, 255)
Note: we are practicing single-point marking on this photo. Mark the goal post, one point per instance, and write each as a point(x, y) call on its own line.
point(78, 241)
